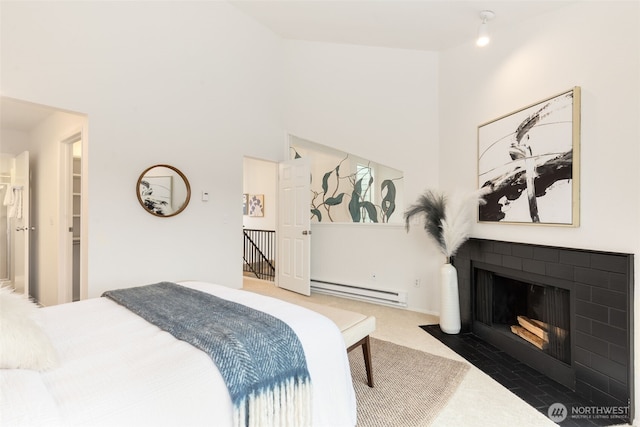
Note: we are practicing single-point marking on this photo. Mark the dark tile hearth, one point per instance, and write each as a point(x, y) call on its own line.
point(531, 386)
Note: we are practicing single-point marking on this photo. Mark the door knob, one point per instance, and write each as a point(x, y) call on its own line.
point(305, 232)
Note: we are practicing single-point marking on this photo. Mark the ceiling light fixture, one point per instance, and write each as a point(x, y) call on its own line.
point(483, 32)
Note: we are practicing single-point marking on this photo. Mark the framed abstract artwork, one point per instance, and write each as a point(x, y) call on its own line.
point(256, 205)
point(531, 161)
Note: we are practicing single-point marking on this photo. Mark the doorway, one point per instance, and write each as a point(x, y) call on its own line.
point(259, 218)
point(40, 130)
point(15, 217)
point(71, 217)
point(283, 191)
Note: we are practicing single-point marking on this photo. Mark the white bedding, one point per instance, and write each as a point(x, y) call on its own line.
point(118, 370)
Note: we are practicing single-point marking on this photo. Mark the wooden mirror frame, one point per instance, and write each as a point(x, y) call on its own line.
point(147, 203)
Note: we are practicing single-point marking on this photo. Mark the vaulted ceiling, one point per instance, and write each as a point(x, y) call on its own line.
point(431, 25)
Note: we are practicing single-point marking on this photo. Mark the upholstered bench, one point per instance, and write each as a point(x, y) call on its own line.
point(355, 328)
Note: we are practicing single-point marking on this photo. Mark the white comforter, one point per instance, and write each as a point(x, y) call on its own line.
point(118, 370)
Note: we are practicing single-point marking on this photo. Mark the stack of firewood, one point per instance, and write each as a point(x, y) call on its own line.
point(536, 332)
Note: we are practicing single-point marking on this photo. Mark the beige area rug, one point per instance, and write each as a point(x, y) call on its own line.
point(411, 386)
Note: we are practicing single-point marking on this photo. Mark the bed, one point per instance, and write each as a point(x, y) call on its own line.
point(116, 369)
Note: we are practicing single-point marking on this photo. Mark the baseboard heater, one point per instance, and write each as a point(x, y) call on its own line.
point(380, 296)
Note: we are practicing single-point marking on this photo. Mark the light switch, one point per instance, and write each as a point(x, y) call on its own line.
point(205, 196)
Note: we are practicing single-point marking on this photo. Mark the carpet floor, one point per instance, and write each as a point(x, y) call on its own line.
point(411, 386)
point(479, 401)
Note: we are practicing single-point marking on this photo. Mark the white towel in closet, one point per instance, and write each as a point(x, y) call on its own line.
point(13, 201)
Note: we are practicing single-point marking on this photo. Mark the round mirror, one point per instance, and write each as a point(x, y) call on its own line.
point(163, 190)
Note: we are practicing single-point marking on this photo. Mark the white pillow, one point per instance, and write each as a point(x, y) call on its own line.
point(23, 345)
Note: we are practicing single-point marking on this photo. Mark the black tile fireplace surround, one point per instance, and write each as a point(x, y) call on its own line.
point(600, 286)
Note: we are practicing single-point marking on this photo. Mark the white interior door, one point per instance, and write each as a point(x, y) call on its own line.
point(294, 231)
point(21, 227)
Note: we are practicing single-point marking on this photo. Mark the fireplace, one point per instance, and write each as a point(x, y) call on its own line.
point(578, 303)
point(530, 321)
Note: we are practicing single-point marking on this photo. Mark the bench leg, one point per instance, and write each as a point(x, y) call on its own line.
point(366, 351)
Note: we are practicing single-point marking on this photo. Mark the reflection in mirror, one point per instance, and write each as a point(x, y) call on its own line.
point(163, 190)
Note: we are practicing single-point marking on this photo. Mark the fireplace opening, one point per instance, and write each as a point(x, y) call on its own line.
point(528, 320)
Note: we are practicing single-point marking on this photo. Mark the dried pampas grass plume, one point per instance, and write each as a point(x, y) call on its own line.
point(448, 219)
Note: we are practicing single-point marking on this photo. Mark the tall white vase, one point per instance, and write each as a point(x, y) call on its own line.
point(449, 303)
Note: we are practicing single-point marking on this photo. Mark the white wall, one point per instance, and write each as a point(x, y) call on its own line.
point(540, 58)
point(193, 84)
point(381, 104)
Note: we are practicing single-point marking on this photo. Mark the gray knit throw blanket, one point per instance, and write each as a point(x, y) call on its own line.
point(259, 356)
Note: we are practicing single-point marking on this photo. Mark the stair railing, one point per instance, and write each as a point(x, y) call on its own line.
point(259, 253)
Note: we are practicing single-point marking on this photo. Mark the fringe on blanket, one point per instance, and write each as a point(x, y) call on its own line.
point(287, 404)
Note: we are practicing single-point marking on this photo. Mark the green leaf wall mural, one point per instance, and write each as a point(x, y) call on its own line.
point(350, 191)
